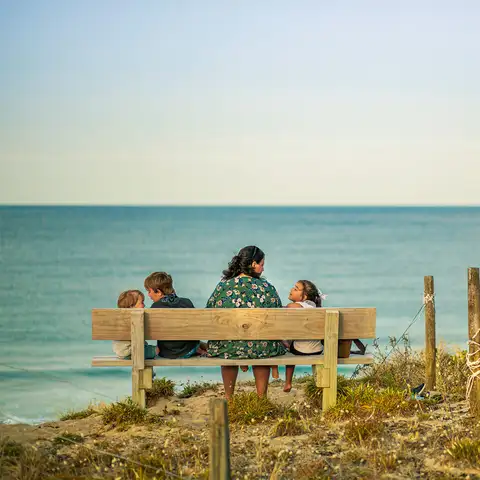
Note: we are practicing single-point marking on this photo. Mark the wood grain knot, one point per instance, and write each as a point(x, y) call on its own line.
point(246, 326)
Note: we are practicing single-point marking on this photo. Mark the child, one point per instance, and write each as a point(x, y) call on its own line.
point(304, 294)
point(123, 348)
point(159, 286)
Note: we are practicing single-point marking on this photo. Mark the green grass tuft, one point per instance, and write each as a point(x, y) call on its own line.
point(77, 415)
point(127, 413)
point(247, 408)
point(290, 424)
point(161, 388)
point(67, 438)
point(465, 449)
point(314, 394)
point(364, 400)
point(192, 389)
point(359, 430)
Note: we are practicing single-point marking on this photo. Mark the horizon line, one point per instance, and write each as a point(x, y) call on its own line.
point(226, 205)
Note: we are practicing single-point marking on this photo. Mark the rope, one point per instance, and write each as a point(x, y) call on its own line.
point(360, 368)
point(104, 452)
point(473, 362)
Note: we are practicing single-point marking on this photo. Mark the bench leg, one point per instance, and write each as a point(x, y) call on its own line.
point(138, 393)
point(138, 356)
point(320, 375)
point(330, 359)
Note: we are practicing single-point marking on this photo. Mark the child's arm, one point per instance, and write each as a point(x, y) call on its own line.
point(293, 305)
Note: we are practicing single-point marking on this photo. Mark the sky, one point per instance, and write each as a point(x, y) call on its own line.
point(243, 102)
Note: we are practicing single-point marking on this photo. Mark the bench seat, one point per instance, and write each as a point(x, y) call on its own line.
point(287, 359)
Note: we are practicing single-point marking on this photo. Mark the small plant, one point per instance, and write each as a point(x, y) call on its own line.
point(67, 438)
point(192, 389)
point(161, 388)
point(289, 425)
point(247, 408)
point(364, 400)
point(126, 413)
point(314, 394)
point(10, 449)
point(465, 449)
point(359, 430)
point(78, 415)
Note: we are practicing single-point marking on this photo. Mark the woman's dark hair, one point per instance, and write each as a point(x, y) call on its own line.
point(242, 262)
point(311, 292)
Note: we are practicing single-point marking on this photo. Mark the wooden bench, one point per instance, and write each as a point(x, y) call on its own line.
point(329, 325)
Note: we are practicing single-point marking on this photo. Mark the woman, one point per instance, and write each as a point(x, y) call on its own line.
point(242, 287)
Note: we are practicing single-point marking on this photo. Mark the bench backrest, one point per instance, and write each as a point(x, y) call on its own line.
point(232, 323)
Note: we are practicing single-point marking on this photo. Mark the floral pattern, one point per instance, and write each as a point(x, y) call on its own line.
point(245, 292)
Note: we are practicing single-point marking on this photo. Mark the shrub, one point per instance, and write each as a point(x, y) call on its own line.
point(191, 389)
point(465, 449)
point(126, 413)
point(73, 415)
point(161, 388)
point(289, 425)
point(246, 408)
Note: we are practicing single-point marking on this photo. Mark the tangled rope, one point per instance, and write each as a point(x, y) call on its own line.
point(473, 362)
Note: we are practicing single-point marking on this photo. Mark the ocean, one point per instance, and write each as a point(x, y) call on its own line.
point(57, 263)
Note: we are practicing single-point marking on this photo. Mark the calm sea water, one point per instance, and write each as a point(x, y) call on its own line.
point(57, 263)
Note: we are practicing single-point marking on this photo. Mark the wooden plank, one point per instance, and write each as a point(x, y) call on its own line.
point(219, 461)
point(331, 353)
point(138, 356)
point(288, 359)
point(233, 323)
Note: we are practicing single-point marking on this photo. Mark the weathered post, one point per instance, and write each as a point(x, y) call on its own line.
point(219, 440)
point(474, 338)
point(430, 340)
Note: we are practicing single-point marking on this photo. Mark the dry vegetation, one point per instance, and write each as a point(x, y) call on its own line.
point(376, 430)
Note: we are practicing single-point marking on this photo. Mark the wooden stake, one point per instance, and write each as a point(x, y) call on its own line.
point(473, 328)
point(138, 356)
point(219, 440)
point(430, 340)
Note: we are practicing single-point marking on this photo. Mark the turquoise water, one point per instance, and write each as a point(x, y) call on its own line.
point(57, 263)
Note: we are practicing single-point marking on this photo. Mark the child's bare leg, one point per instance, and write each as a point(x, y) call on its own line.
point(288, 377)
point(244, 368)
point(275, 372)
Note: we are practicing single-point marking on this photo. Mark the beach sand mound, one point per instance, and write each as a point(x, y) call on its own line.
point(295, 441)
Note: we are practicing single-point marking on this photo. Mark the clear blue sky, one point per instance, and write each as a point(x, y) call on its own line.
point(240, 102)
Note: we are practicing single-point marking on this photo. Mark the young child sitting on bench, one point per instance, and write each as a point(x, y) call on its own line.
point(304, 294)
point(123, 348)
point(159, 286)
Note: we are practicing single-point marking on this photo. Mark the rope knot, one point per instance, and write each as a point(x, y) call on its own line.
point(472, 364)
point(428, 298)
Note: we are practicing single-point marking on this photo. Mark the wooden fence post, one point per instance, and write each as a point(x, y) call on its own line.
point(138, 356)
point(473, 329)
point(430, 340)
point(219, 440)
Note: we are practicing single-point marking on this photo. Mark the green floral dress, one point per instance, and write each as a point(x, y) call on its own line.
point(245, 292)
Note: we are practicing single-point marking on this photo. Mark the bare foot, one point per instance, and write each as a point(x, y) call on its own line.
point(287, 387)
point(244, 368)
point(275, 372)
